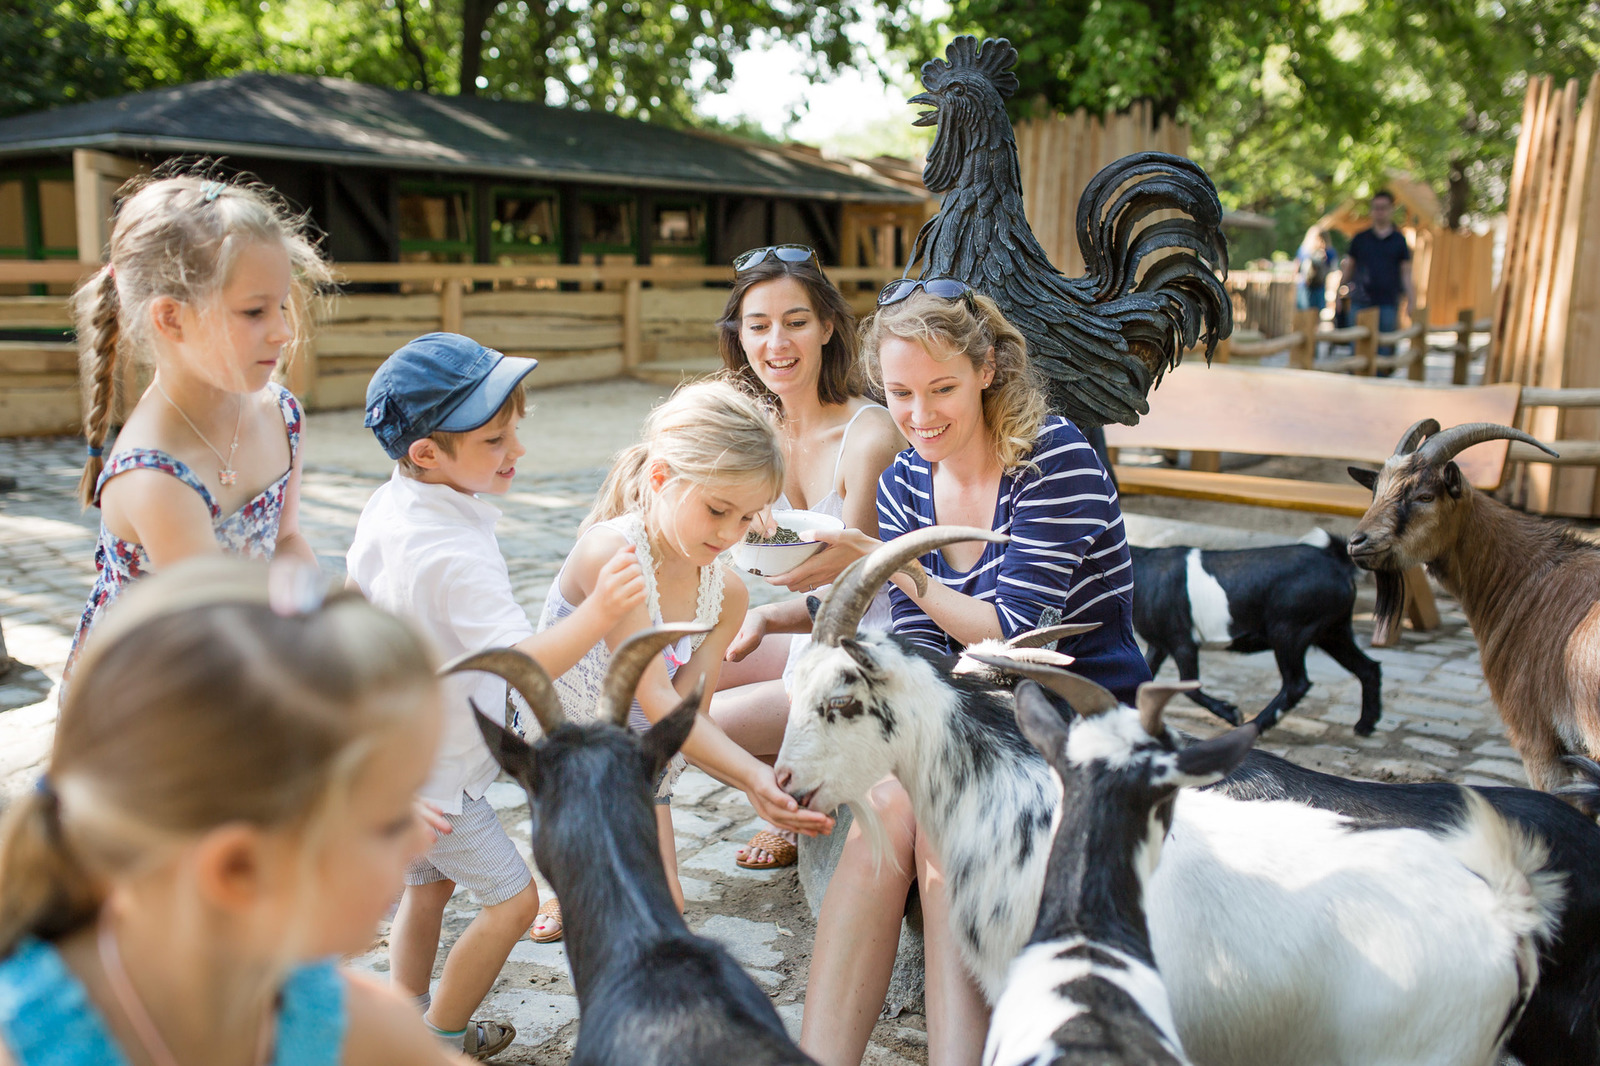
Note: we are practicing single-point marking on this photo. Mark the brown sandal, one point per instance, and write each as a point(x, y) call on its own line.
point(783, 852)
point(550, 908)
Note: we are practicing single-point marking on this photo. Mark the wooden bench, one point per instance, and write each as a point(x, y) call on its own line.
point(1269, 411)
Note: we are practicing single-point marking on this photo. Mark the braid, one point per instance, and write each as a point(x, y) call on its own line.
point(98, 335)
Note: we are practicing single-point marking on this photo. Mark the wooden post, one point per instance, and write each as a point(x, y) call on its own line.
point(632, 327)
point(1367, 347)
point(1224, 352)
point(1304, 355)
point(1418, 370)
point(300, 376)
point(1463, 353)
point(450, 305)
point(1420, 608)
point(95, 177)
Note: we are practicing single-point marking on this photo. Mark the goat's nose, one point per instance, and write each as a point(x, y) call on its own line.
point(1358, 540)
point(783, 775)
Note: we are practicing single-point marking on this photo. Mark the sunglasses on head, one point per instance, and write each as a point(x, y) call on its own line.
point(944, 288)
point(785, 253)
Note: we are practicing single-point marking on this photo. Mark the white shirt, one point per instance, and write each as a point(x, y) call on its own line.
point(428, 553)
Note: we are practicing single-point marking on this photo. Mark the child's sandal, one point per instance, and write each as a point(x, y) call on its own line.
point(485, 1039)
point(550, 908)
point(783, 852)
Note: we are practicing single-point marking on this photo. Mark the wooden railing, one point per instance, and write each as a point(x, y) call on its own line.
point(1365, 340)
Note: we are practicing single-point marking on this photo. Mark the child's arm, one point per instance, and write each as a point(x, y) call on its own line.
point(161, 513)
point(291, 542)
point(616, 588)
point(708, 747)
point(385, 1030)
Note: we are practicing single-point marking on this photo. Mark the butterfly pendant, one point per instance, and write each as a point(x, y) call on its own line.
point(227, 477)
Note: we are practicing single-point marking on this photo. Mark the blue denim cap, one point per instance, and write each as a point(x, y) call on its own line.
point(440, 382)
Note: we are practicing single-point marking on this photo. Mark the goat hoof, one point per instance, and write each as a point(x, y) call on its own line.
point(1365, 729)
point(1227, 712)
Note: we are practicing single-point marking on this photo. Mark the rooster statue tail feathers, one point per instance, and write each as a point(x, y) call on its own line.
point(1150, 290)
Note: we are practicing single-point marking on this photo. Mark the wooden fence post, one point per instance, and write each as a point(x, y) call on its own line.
point(1418, 370)
point(1303, 356)
point(632, 327)
point(1367, 347)
point(1463, 368)
point(450, 305)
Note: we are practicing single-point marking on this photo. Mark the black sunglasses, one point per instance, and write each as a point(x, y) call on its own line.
point(785, 253)
point(944, 288)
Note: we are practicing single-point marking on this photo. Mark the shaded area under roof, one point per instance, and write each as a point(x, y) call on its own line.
point(330, 120)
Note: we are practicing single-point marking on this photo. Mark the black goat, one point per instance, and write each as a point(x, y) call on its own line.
point(1085, 991)
point(1561, 1024)
point(651, 993)
point(1286, 598)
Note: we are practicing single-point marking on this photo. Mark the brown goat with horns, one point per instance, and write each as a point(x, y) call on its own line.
point(1530, 588)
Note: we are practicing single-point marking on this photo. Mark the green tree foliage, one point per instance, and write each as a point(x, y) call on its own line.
point(633, 57)
point(1296, 104)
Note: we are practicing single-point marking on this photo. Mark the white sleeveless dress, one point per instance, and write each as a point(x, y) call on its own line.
point(878, 614)
point(579, 688)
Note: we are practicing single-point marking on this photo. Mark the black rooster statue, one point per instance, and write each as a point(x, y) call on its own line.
point(1104, 340)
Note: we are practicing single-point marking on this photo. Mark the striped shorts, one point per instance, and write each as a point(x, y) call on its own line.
point(475, 854)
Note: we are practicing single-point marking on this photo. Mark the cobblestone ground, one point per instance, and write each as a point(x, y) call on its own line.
point(1438, 723)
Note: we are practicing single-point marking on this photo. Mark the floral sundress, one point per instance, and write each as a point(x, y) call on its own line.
point(250, 531)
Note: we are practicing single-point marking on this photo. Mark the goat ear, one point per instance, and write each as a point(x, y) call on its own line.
point(813, 605)
point(1367, 478)
point(859, 652)
point(1216, 758)
point(1453, 481)
point(662, 740)
point(513, 753)
point(1039, 720)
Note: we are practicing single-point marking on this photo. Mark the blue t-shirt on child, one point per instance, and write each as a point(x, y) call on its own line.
point(1067, 561)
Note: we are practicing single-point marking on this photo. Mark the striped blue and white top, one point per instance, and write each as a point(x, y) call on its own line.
point(1067, 560)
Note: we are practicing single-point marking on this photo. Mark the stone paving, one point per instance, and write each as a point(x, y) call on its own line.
point(1438, 721)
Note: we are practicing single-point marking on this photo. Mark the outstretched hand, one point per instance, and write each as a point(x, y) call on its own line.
point(751, 632)
point(782, 809)
point(844, 546)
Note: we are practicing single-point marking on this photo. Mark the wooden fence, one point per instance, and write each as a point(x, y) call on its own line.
point(655, 321)
point(1059, 156)
point(1547, 319)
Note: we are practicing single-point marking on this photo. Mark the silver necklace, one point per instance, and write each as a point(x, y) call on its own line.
point(226, 474)
point(144, 1027)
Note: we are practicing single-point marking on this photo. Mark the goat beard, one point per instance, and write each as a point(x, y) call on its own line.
point(1390, 606)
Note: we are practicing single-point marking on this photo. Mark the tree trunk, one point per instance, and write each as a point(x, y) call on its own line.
point(1460, 196)
point(474, 19)
point(408, 41)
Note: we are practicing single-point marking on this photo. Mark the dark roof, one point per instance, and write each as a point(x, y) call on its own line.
point(330, 120)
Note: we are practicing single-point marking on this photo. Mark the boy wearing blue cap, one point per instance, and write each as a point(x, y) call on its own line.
point(446, 408)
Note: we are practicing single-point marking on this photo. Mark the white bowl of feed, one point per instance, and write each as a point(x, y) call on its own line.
point(787, 548)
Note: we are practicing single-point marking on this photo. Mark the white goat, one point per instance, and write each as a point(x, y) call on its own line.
point(1258, 957)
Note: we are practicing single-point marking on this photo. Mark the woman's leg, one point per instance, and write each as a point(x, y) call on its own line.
point(669, 852)
point(764, 664)
point(858, 933)
point(957, 1013)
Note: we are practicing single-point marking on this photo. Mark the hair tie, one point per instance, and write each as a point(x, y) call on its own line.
point(211, 190)
point(111, 271)
point(95, 452)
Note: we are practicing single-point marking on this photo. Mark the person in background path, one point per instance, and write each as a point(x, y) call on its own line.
point(1377, 267)
point(1315, 261)
point(446, 408)
point(227, 813)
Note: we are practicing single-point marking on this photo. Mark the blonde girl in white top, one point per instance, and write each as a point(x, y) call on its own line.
point(707, 466)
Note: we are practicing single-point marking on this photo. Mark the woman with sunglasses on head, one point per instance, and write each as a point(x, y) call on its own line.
point(788, 335)
point(984, 452)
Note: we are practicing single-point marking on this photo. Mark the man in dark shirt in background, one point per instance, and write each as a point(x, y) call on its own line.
point(1377, 268)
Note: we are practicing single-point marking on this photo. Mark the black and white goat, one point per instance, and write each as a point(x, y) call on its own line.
point(1342, 945)
point(650, 992)
point(1085, 991)
point(1286, 598)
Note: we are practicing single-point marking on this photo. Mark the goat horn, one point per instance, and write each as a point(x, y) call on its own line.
point(522, 673)
point(1152, 701)
point(1447, 444)
point(1038, 638)
point(1086, 697)
point(629, 662)
point(1427, 427)
point(853, 590)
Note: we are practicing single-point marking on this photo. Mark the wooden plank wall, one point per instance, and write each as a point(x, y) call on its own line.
point(1547, 309)
point(1453, 272)
point(1059, 155)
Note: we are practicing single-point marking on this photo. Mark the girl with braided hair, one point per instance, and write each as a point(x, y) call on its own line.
point(208, 281)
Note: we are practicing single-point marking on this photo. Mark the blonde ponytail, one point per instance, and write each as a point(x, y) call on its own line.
point(98, 310)
point(706, 432)
point(44, 891)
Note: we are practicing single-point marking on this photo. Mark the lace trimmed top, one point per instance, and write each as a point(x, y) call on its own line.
point(47, 1018)
point(251, 531)
point(579, 688)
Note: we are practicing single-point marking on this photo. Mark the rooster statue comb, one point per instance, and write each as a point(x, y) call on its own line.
point(1104, 340)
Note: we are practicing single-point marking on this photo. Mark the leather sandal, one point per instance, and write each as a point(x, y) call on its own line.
point(550, 908)
point(485, 1039)
point(783, 852)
